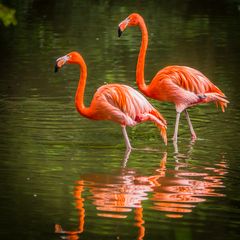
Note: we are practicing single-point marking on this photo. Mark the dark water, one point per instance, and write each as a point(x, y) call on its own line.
point(64, 177)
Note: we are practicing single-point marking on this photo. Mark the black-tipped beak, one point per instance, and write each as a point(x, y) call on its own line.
point(119, 32)
point(56, 68)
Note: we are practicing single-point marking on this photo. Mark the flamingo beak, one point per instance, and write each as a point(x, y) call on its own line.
point(119, 32)
point(60, 62)
point(122, 26)
point(56, 68)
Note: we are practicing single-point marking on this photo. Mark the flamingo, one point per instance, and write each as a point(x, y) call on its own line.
point(181, 85)
point(115, 102)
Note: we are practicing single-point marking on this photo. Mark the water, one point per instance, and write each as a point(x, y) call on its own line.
point(65, 177)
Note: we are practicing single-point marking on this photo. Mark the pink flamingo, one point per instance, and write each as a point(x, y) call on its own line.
point(184, 86)
point(115, 102)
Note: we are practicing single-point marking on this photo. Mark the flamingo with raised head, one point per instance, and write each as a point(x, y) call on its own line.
point(184, 86)
point(115, 102)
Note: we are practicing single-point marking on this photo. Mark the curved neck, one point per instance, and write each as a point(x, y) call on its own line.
point(141, 57)
point(79, 97)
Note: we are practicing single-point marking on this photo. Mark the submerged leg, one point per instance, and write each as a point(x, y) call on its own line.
point(175, 136)
point(127, 142)
point(126, 156)
point(194, 136)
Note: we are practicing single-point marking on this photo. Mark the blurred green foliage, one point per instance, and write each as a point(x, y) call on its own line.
point(7, 15)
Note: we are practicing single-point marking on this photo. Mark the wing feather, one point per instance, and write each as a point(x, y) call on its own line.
point(122, 100)
point(126, 106)
point(179, 84)
point(188, 78)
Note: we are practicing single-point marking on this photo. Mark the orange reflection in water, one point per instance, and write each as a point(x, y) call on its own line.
point(74, 234)
point(114, 196)
point(174, 192)
point(178, 191)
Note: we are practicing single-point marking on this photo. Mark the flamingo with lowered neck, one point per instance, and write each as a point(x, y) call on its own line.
point(115, 102)
point(184, 86)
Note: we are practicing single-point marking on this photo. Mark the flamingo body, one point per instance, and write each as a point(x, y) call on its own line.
point(121, 104)
point(181, 85)
point(115, 102)
point(185, 87)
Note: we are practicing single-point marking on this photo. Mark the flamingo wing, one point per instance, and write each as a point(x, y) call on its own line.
point(111, 103)
point(185, 87)
point(126, 106)
point(119, 102)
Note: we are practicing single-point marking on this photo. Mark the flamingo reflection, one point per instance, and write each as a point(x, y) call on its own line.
point(179, 190)
point(74, 234)
point(114, 196)
point(173, 192)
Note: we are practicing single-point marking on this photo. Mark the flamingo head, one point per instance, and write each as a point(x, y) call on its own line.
point(69, 58)
point(132, 20)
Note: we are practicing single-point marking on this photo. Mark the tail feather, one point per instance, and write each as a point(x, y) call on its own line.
point(161, 124)
point(218, 98)
point(155, 117)
point(159, 116)
point(163, 131)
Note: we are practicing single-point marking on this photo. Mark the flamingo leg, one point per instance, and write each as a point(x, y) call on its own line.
point(126, 156)
point(175, 145)
point(194, 136)
point(175, 136)
point(127, 142)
